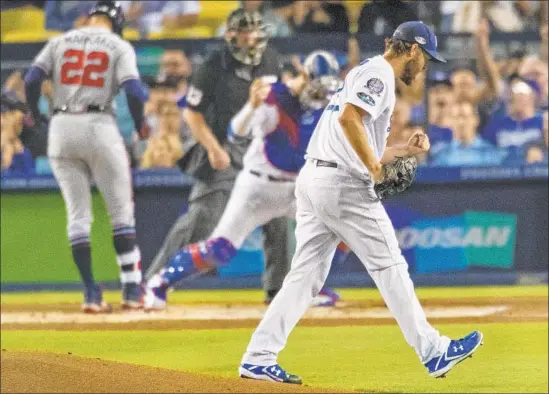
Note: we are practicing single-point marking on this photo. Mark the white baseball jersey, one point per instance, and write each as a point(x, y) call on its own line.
point(331, 206)
point(264, 122)
point(370, 86)
point(87, 66)
point(281, 130)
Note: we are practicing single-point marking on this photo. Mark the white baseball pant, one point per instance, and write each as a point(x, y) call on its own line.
point(332, 205)
point(88, 147)
point(254, 201)
point(84, 148)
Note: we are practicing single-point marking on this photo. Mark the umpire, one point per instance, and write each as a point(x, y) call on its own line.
point(217, 92)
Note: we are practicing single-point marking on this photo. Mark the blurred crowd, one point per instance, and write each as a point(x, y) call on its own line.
point(162, 149)
point(494, 113)
point(288, 17)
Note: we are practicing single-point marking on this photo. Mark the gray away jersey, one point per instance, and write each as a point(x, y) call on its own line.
point(87, 67)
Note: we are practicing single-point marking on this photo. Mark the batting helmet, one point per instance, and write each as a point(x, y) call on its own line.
point(323, 71)
point(321, 63)
point(113, 11)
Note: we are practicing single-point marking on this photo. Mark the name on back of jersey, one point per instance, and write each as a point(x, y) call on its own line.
point(97, 40)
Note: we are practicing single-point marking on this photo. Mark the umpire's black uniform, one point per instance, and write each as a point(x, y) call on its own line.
point(218, 90)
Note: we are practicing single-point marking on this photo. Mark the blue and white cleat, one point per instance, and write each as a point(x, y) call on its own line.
point(457, 351)
point(326, 298)
point(156, 296)
point(272, 373)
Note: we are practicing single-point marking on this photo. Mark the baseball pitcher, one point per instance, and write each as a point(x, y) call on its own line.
point(88, 66)
point(280, 119)
point(337, 201)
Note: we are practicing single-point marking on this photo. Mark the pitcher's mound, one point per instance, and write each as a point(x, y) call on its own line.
point(26, 372)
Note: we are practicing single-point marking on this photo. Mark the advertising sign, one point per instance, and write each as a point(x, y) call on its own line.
point(455, 243)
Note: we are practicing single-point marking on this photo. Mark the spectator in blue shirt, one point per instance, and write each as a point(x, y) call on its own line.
point(466, 148)
point(21, 163)
point(521, 123)
point(66, 15)
point(536, 152)
point(440, 100)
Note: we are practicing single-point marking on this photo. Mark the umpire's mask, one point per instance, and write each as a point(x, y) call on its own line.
point(323, 71)
point(246, 36)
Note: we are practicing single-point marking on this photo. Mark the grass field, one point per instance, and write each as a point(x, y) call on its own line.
point(371, 358)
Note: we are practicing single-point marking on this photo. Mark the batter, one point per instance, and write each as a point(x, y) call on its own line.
point(280, 119)
point(336, 202)
point(87, 67)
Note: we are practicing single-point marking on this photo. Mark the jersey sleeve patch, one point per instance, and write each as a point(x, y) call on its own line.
point(375, 86)
point(194, 96)
point(366, 98)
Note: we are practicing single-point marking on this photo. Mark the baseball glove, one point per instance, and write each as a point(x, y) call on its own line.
point(399, 175)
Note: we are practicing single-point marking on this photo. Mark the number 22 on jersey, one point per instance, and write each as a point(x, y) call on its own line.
point(84, 69)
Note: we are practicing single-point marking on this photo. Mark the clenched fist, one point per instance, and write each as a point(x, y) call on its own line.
point(259, 90)
point(418, 143)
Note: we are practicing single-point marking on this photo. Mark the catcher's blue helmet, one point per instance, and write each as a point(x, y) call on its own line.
point(112, 10)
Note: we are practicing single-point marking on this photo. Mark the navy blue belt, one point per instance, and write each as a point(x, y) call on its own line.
point(269, 177)
point(323, 163)
point(86, 109)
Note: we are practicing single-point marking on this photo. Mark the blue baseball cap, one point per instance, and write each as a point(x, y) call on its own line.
point(419, 33)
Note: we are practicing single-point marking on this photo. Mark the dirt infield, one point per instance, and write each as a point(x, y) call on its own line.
point(48, 372)
point(27, 372)
point(209, 316)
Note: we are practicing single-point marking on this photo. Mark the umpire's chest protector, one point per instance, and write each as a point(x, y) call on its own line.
point(233, 84)
point(226, 83)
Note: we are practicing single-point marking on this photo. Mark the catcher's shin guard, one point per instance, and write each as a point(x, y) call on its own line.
point(197, 258)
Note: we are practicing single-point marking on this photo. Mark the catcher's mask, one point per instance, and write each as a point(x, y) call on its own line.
point(323, 71)
point(246, 36)
point(112, 10)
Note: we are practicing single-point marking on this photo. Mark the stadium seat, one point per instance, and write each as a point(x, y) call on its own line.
point(28, 18)
point(191, 32)
point(24, 18)
point(8, 21)
point(214, 13)
point(24, 24)
point(30, 36)
point(130, 34)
